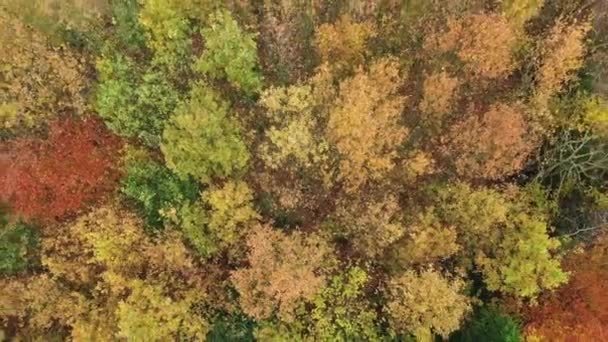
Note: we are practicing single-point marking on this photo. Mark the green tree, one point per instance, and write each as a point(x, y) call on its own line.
point(133, 102)
point(149, 315)
point(130, 35)
point(158, 192)
point(18, 247)
point(201, 140)
point(168, 34)
point(491, 325)
point(230, 53)
point(341, 310)
point(220, 219)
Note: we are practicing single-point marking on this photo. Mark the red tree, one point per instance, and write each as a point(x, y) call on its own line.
point(579, 310)
point(49, 179)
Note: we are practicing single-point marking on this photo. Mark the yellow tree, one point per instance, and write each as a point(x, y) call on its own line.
point(484, 42)
point(425, 302)
point(493, 146)
point(343, 44)
point(283, 271)
point(37, 79)
point(561, 56)
point(364, 125)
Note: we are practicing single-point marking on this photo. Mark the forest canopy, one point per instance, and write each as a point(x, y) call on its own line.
point(382, 170)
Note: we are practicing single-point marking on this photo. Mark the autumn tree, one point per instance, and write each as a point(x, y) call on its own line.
point(520, 11)
point(562, 54)
point(492, 146)
point(201, 140)
point(524, 269)
point(483, 42)
point(286, 46)
point(425, 303)
point(284, 271)
point(439, 92)
point(168, 34)
point(370, 225)
point(425, 240)
point(39, 80)
point(364, 124)
point(107, 279)
point(343, 44)
point(293, 129)
point(52, 178)
point(149, 314)
point(579, 309)
point(492, 227)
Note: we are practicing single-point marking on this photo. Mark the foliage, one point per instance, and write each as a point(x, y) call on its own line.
point(578, 310)
point(52, 178)
point(561, 56)
point(303, 170)
point(427, 240)
point(370, 226)
point(231, 328)
point(38, 81)
point(167, 32)
point(127, 30)
point(476, 215)
point(230, 53)
point(201, 140)
point(342, 44)
point(419, 303)
point(220, 219)
point(286, 40)
point(156, 190)
point(18, 247)
point(483, 42)
point(147, 315)
point(364, 124)
point(341, 312)
point(231, 210)
point(490, 324)
point(439, 94)
point(133, 104)
point(292, 127)
point(506, 236)
point(495, 146)
point(596, 116)
point(520, 11)
point(284, 270)
point(522, 264)
point(127, 284)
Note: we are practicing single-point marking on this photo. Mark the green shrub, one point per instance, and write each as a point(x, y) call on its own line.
point(200, 139)
point(18, 247)
point(156, 191)
point(127, 30)
point(133, 105)
point(230, 53)
point(489, 325)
